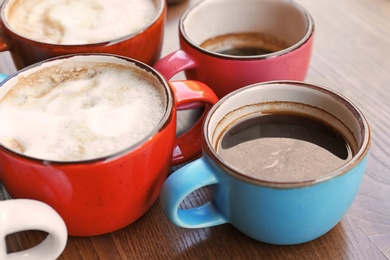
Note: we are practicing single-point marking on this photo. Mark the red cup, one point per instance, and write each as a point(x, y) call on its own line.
point(101, 195)
point(144, 45)
point(285, 20)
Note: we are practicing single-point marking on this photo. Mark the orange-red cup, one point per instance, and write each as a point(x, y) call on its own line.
point(101, 195)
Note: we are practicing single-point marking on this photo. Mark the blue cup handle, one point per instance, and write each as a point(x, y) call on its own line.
point(3, 77)
point(182, 183)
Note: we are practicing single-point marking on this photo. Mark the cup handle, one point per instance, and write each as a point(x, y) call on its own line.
point(182, 183)
point(174, 63)
point(3, 43)
point(191, 94)
point(25, 214)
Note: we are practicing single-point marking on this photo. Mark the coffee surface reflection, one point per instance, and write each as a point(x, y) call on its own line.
point(283, 147)
point(244, 44)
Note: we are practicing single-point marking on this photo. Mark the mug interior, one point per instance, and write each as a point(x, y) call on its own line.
point(284, 20)
point(306, 99)
point(148, 73)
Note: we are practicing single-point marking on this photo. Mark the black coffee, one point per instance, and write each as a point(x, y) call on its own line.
point(244, 44)
point(283, 147)
point(244, 51)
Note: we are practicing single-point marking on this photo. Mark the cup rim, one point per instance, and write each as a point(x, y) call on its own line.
point(309, 33)
point(166, 89)
point(160, 11)
point(361, 153)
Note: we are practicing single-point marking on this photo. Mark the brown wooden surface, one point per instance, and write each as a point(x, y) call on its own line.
point(352, 56)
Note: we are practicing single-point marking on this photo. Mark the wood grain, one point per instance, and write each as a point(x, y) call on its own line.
point(352, 56)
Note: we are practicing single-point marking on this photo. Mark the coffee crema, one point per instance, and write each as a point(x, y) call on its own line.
point(283, 147)
point(76, 111)
point(244, 44)
point(78, 22)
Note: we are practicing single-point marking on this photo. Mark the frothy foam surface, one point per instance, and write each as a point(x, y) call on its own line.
point(76, 112)
point(79, 22)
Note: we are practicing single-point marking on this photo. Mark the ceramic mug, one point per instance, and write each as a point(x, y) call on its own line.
point(245, 25)
point(23, 215)
point(261, 204)
point(99, 195)
point(143, 44)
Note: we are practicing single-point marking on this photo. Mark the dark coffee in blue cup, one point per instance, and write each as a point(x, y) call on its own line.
point(283, 160)
point(283, 146)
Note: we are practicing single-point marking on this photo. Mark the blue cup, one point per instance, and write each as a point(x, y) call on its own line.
point(271, 211)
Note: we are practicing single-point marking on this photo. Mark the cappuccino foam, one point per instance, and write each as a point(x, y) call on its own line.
point(82, 111)
point(78, 22)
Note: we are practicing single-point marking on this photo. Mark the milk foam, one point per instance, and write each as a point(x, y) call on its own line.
point(79, 22)
point(68, 112)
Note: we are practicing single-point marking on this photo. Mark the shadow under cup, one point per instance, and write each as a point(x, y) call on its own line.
point(267, 209)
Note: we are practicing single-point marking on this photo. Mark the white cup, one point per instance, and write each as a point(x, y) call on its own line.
point(18, 215)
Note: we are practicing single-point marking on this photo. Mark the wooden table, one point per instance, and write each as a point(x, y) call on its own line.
point(352, 56)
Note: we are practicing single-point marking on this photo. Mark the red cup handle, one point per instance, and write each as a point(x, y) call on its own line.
point(191, 94)
point(3, 43)
point(174, 63)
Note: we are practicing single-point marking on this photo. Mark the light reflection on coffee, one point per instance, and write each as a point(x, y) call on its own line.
point(244, 44)
point(283, 146)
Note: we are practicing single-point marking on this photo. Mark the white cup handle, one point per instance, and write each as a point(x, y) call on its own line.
point(23, 214)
